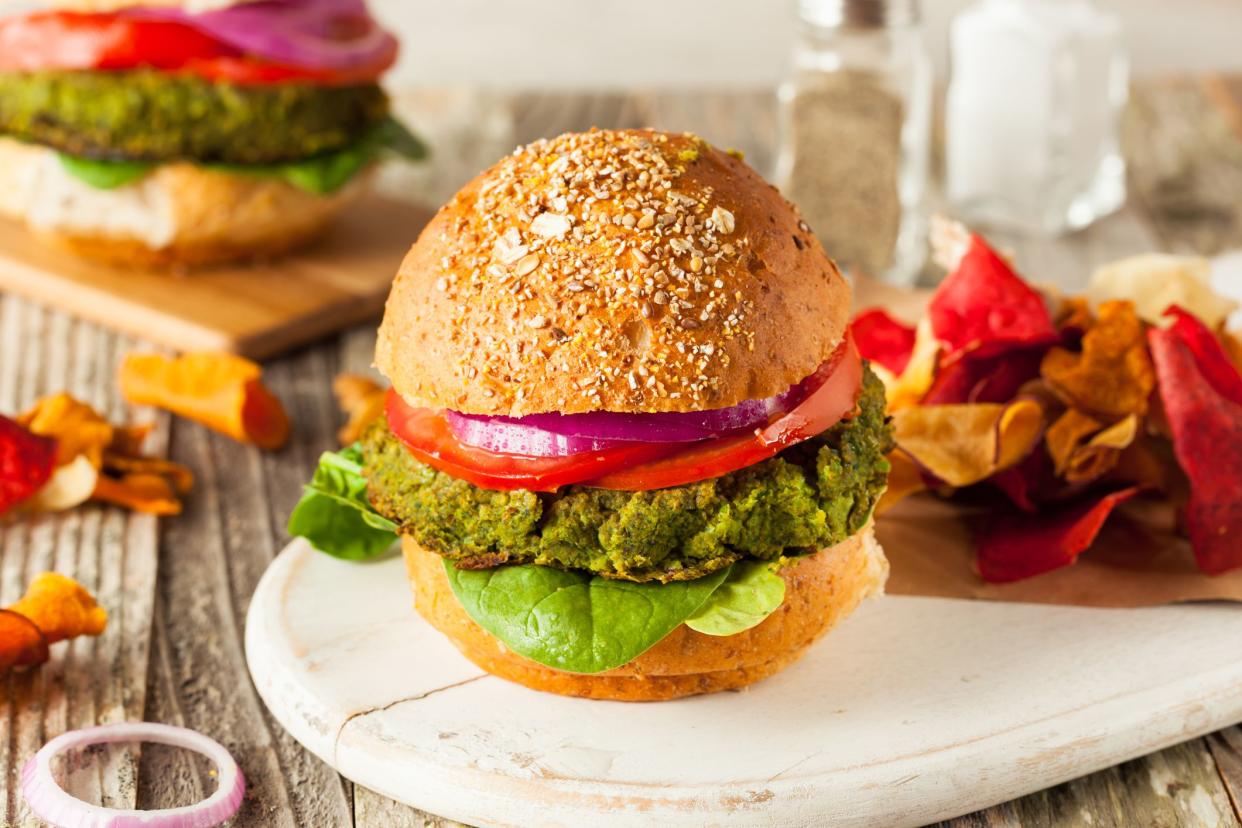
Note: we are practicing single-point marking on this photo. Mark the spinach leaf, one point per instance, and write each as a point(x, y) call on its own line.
point(334, 514)
point(750, 594)
point(320, 174)
point(574, 621)
point(104, 175)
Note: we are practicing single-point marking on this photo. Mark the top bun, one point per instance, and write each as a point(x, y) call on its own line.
point(629, 271)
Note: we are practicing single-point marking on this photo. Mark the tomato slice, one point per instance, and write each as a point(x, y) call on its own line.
point(822, 409)
point(70, 40)
point(426, 434)
point(637, 467)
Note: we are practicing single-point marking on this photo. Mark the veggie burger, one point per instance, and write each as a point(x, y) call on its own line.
point(149, 132)
point(630, 448)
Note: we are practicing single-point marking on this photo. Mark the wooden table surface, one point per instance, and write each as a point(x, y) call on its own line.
point(178, 591)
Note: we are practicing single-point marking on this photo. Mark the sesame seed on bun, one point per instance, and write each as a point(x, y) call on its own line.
point(628, 271)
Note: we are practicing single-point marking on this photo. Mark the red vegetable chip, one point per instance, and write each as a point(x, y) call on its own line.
point(884, 340)
point(1214, 363)
point(1207, 440)
point(984, 308)
point(26, 462)
point(21, 642)
point(1027, 483)
point(1016, 545)
point(984, 379)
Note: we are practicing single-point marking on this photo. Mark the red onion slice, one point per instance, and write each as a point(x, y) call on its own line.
point(314, 34)
point(54, 805)
point(560, 435)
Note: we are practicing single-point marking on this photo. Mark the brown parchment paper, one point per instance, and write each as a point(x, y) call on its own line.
point(1138, 560)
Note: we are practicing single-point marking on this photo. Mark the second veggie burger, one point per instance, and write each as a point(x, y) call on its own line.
point(630, 446)
point(169, 133)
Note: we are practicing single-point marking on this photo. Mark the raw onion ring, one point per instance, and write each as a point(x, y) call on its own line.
point(561, 435)
point(315, 34)
point(56, 806)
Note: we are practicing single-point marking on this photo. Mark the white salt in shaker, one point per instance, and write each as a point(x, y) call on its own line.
point(1032, 114)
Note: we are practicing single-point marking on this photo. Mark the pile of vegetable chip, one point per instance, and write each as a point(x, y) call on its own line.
point(1057, 410)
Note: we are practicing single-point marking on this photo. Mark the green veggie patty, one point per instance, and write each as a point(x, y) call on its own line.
point(145, 115)
point(812, 495)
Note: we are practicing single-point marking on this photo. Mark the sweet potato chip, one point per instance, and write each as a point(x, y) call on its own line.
point(905, 478)
point(78, 429)
point(61, 608)
point(1084, 449)
point(141, 492)
point(1017, 545)
point(920, 373)
point(362, 399)
point(1112, 376)
point(964, 444)
point(21, 642)
point(883, 340)
point(222, 391)
point(128, 440)
point(984, 308)
point(180, 477)
point(1155, 281)
point(1207, 440)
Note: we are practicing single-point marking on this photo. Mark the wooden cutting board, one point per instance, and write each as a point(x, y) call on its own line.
point(912, 711)
point(257, 310)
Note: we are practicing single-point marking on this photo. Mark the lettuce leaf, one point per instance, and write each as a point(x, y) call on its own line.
point(572, 620)
point(334, 514)
point(750, 593)
point(321, 174)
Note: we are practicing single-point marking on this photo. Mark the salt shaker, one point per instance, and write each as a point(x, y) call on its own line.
point(1032, 114)
point(855, 133)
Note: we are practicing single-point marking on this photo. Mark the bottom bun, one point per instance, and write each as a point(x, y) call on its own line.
point(177, 215)
point(820, 590)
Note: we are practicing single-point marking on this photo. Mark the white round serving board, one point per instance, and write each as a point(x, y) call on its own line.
point(915, 710)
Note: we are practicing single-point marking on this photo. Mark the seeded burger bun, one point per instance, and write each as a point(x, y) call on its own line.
point(505, 306)
point(820, 590)
point(180, 214)
point(547, 285)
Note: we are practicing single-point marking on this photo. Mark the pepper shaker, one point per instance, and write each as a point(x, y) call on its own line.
point(855, 133)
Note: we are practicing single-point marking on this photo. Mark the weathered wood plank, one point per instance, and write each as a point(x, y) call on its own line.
point(112, 553)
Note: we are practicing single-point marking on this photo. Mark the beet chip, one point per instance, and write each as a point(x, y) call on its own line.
point(983, 308)
point(1207, 439)
point(1214, 363)
point(1015, 545)
point(26, 463)
point(883, 340)
point(994, 379)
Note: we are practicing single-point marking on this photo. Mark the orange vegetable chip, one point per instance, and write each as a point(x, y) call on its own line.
point(920, 372)
point(964, 444)
point(1083, 448)
point(141, 492)
point(1113, 375)
point(21, 642)
point(181, 478)
point(905, 478)
point(61, 608)
point(222, 391)
point(360, 398)
point(77, 428)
